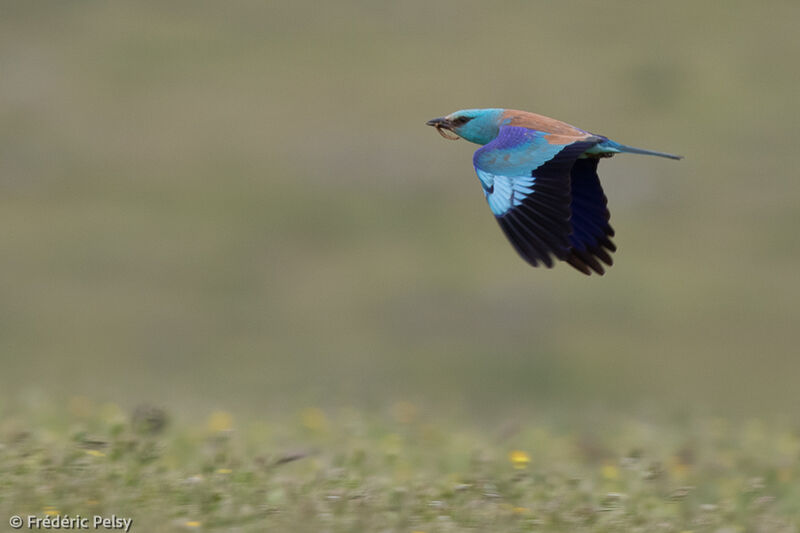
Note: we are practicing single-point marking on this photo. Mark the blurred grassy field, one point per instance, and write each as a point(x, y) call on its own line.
point(397, 470)
point(239, 206)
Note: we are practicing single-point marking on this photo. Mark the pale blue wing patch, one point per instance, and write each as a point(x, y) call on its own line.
point(505, 192)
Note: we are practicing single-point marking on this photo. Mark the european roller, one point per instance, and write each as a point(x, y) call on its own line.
point(539, 176)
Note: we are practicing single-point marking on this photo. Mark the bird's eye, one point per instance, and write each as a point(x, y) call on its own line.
point(460, 121)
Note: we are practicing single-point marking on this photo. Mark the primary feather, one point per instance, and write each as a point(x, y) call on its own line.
point(539, 176)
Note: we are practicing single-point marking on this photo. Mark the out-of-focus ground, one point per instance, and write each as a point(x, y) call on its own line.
point(397, 470)
point(239, 205)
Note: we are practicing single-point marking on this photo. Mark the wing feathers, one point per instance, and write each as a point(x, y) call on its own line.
point(590, 239)
point(547, 201)
point(528, 246)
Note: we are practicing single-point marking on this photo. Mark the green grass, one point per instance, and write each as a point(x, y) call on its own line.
point(404, 471)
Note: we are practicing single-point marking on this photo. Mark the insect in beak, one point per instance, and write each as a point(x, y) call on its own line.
point(443, 126)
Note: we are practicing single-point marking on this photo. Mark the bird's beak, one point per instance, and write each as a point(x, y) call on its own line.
point(443, 124)
point(440, 122)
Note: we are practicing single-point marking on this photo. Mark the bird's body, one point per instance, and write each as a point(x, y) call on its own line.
point(539, 176)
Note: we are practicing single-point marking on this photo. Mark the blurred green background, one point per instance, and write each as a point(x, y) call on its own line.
point(238, 204)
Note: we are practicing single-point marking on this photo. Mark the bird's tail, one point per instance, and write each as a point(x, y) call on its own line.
point(616, 147)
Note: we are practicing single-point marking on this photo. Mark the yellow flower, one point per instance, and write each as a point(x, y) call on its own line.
point(313, 418)
point(51, 511)
point(95, 453)
point(520, 510)
point(224, 470)
point(519, 459)
point(193, 523)
point(610, 471)
point(220, 422)
point(678, 468)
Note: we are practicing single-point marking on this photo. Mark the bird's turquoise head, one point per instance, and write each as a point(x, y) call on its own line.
point(479, 126)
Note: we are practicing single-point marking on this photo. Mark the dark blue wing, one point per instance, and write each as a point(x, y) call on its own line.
point(526, 180)
point(590, 241)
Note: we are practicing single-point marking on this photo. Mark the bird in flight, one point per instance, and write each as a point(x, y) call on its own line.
point(539, 176)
